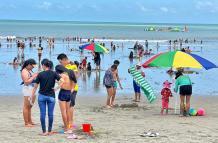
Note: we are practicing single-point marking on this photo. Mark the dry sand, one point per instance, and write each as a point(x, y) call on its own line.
point(118, 125)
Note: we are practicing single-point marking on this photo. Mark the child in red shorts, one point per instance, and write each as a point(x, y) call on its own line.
point(166, 93)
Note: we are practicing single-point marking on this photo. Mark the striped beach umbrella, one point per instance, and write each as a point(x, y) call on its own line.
point(94, 47)
point(179, 59)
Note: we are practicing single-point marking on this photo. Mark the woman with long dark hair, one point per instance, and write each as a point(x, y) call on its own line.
point(46, 99)
point(67, 96)
point(28, 77)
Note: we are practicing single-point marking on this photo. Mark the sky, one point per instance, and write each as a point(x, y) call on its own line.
point(146, 11)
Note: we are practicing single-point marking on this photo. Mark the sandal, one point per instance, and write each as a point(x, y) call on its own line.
point(149, 134)
point(73, 136)
point(68, 132)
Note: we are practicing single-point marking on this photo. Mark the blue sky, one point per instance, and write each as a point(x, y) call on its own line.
point(148, 11)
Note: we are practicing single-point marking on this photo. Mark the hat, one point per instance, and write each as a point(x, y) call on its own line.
point(167, 84)
point(178, 74)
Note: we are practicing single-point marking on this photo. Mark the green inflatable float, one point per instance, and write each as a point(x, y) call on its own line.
point(145, 87)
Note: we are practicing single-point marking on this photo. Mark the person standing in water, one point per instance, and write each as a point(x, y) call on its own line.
point(84, 63)
point(46, 79)
point(116, 81)
point(97, 60)
point(28, 77)
point(40, 49)
point(146, 45)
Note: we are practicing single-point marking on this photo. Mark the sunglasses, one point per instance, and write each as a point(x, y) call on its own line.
point(33, 66)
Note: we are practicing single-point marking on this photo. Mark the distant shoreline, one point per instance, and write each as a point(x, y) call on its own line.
point(104, 22)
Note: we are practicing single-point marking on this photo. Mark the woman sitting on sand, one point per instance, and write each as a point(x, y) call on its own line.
point(28, 77)
point(184, 84)
point(46, 79)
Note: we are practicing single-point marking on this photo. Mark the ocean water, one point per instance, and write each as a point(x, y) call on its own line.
point(124, 35)
point(100, 30)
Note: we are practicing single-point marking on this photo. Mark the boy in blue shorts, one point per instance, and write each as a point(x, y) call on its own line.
point(136, 86)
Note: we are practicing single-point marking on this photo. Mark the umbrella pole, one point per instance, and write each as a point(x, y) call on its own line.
point(175, 108)
point(176, 96)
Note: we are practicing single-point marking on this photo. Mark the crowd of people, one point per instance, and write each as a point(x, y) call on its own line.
point(66, 74)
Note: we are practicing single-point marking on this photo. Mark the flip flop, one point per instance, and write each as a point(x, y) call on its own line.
point(72, 136)
point(68, 132)
point(149, 134)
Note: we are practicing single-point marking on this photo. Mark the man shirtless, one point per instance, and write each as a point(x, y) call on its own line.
point(63, 59)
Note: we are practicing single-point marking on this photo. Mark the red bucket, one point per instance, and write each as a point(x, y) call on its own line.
point(86, 128)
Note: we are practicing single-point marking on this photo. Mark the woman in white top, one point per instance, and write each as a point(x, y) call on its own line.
point(28, 83)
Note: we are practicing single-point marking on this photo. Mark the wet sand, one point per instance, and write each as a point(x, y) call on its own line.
point(120, 124)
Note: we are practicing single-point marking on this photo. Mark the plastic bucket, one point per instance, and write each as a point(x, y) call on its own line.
point(86, 128)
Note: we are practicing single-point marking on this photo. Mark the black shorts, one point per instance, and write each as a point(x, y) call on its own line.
point(98, 62)
point(73, 99)
point(107, 86)
point(64, 95)
point(185, 90)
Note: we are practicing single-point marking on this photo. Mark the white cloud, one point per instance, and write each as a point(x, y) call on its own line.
point(164, 9)
point(142, 7)
point(208, 6)
point(45, 5)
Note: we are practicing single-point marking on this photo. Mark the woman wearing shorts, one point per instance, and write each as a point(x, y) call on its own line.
point(28, 78)
point(184, 84)
point(108, 82)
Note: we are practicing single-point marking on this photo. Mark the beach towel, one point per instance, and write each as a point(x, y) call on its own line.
point(144, 85)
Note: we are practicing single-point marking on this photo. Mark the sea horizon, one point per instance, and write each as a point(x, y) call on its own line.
point(105, 30)
point(104, 22)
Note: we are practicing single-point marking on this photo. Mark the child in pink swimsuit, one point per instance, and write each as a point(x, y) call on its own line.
point(166, 93)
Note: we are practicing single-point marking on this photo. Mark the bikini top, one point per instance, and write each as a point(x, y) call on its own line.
point(32, 83)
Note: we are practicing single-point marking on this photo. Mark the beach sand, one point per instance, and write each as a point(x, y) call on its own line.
point(117, 125)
